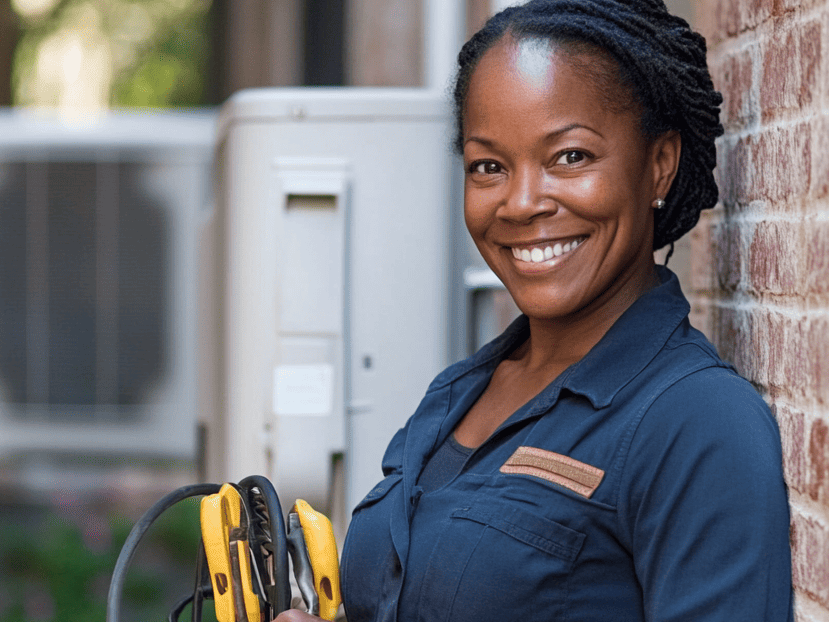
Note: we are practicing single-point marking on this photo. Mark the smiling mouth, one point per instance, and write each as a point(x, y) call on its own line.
point(540, 254)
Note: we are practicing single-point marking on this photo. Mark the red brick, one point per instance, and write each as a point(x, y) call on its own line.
point(733, 77)
point(810, 557)
point(727, 247)
point(730, 328)
point(783, 6)
point(815, 352)
point(722, 19)
point(772, 164)
point(792, 437)
point(702, 251)
point(791, 63)
point(820, 149)
point(781, 163)
point(779, 347)
point(775, 257)
point(817, 257)
point(733, 162)
point(818, 461)
point(761, 324)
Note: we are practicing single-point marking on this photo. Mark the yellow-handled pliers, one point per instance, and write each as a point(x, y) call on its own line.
point(229, 523)
point(243, 554)
point(225, 529)
point(313, 550)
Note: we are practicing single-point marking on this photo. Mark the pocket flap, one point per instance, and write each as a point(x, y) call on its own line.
point(379, 491)
point(536, 531)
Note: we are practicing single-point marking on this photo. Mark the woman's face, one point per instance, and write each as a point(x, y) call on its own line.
point(558, 188)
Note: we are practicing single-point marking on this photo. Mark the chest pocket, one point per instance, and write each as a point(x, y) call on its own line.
point(498, 561)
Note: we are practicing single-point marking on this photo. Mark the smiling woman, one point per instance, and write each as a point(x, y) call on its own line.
point(558, 198)
point(598, 461)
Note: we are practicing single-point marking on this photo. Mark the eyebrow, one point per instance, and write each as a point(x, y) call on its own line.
point(554, 134)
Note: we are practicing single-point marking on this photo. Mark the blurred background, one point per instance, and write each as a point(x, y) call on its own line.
point(109, 186)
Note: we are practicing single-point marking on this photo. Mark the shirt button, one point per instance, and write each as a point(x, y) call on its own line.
point(416, 496)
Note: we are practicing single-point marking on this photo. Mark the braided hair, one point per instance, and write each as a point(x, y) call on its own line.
point(658, 60)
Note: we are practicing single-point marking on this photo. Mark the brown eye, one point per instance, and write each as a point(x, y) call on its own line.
point(485, 167)
point(571, 157)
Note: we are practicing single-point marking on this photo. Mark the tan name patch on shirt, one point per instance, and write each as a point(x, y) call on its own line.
point(577, 476)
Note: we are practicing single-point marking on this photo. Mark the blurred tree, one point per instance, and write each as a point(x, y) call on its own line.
point(8, 41)
point(91, 54)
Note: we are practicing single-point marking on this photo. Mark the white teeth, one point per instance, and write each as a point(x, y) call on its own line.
point(537, 255)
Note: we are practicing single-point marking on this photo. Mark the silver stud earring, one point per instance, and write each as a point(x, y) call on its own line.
point(658, 204)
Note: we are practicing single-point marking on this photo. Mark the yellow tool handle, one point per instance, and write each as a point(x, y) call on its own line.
point(228, 556)
point(322, 554)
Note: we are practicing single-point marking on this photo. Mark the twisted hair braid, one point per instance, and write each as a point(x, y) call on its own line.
point(659, 60)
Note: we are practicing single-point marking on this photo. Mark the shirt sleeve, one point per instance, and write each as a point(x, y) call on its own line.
point(704, 507)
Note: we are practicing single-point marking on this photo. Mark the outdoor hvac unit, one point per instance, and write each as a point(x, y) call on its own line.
point(331, 277)
point(98, 254)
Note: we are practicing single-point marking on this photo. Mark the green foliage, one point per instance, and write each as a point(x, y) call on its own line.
point(172, 72)
point(157, 50)
point(58, 567)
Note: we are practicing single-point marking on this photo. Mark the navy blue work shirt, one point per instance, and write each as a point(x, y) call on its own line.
point(644, 483)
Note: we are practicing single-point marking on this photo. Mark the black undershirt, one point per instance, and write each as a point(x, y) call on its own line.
point(444, 464)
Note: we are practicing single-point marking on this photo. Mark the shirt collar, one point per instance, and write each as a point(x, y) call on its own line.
point(635, 338)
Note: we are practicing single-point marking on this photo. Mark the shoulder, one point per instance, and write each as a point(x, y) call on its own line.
point(709, 431)
point(710, 403)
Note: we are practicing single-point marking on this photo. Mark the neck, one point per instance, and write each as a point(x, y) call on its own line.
point(557, 343)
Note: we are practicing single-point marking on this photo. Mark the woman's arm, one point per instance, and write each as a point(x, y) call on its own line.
point(704, 505)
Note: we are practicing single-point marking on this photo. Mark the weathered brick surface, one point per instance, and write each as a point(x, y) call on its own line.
point(728, 253)
point(776, 258)
point(818, 460)
point(702, 266)
point(792, 436)
point(817, 354)
point(820, 145)
point(736, 70)
point(810, 559)
point(724, 19)
point(817, 257)
point(791, 62)
point(760, 268)
point(781, 163)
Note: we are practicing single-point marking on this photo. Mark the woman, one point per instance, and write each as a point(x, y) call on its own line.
point(598, 461)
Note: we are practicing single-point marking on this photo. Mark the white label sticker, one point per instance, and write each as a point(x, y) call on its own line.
point(303, 390)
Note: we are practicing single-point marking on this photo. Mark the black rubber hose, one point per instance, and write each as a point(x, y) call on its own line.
point(280, 543)
point(116, 584)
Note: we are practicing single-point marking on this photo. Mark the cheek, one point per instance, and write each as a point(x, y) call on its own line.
point(590, 197)
point(601, 198)
point(473, 213)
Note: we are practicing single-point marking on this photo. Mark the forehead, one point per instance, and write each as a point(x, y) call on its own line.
point(532, 80)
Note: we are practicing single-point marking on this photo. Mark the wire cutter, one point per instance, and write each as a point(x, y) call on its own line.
point(243, 554)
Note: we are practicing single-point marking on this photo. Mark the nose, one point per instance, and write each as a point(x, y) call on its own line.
point(526, 198)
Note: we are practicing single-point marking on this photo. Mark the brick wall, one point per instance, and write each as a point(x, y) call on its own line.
point(760, 260)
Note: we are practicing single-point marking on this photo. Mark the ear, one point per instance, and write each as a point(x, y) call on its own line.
point(665, 152)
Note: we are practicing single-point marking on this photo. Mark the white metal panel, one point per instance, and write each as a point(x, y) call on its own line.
point(171, 156)
point(396, 144)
